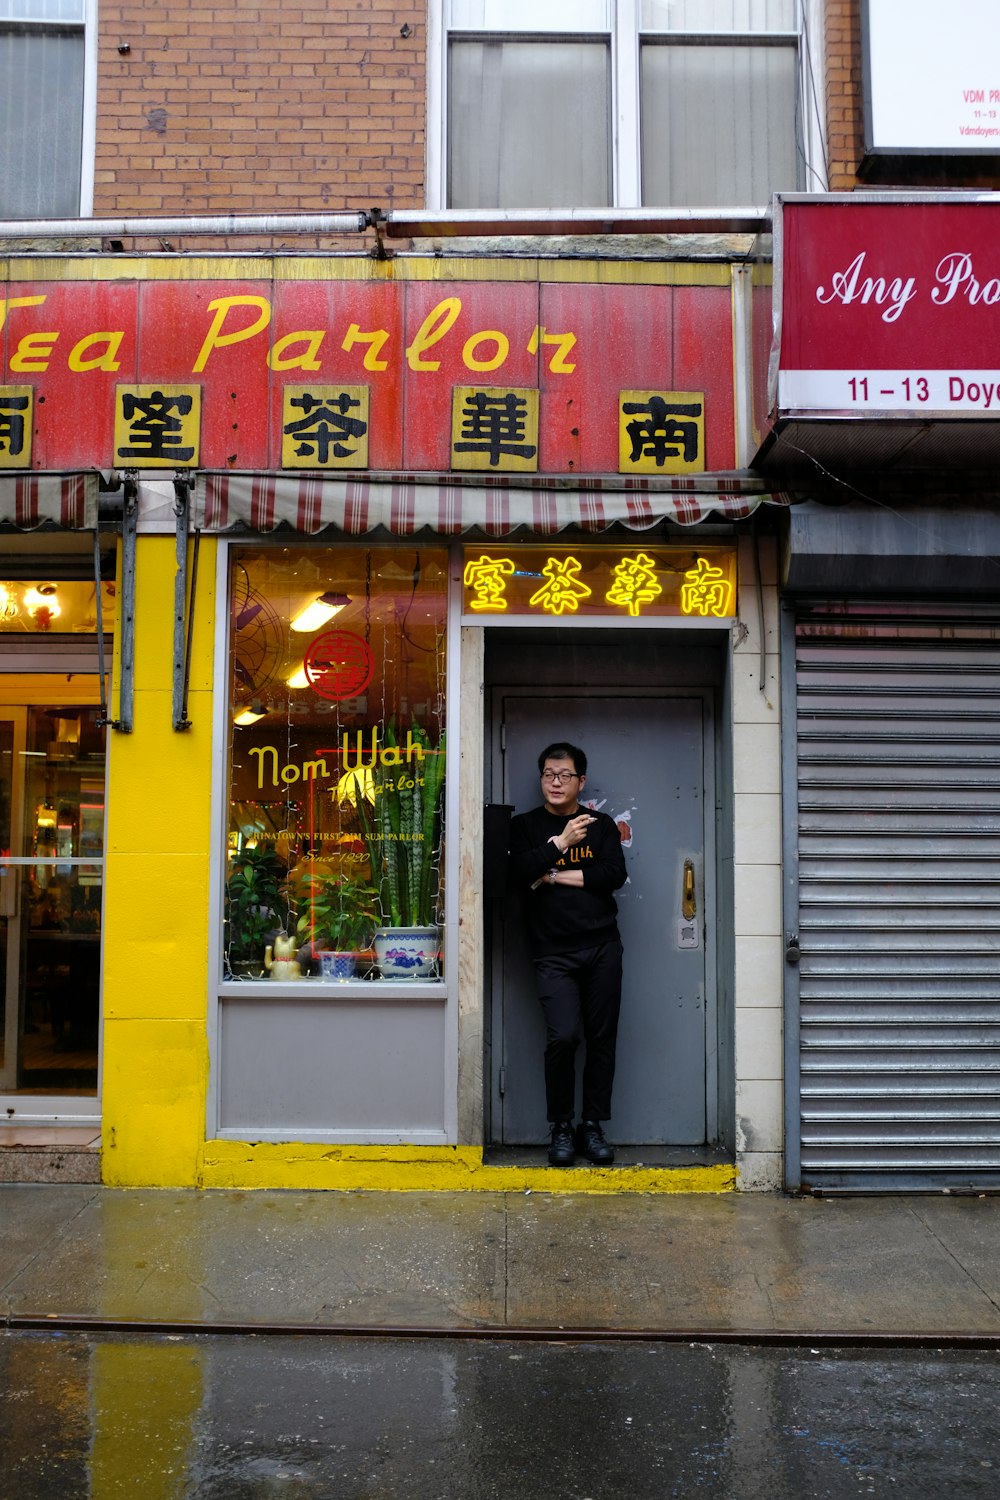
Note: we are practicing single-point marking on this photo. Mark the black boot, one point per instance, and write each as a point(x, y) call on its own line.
point(590, 1143)
point(561, 1153)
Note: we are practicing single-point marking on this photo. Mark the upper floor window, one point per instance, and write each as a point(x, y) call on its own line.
point(585, 103)
point(43, 69)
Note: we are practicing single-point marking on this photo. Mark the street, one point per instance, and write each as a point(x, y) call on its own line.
point(237, 1417)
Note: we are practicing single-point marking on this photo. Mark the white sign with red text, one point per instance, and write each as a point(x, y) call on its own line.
point(933, 75)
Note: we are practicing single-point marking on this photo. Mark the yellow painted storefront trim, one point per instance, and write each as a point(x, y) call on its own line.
point(430, 1169)
point(157, 873)
point(266, 267)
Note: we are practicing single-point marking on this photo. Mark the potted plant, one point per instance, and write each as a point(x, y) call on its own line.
point(402, 831)
point(338, 921)
point(256, 908)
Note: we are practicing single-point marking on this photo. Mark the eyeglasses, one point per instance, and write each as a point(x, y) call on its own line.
point(560, 776)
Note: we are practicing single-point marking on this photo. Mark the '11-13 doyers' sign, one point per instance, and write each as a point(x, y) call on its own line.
point(360, 368)
point(889, 307)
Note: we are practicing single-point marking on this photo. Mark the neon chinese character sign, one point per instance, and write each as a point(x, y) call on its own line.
point(564, 589)
point(486, 578)
point(635, 583)
point(601, 580)
point(706, 590)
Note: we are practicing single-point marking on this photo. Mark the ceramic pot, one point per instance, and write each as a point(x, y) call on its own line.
point(407, 952)
point(333, 965)
point(247, 968)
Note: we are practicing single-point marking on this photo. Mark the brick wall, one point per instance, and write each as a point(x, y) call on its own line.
point(845, 123)
point(845, 140)
point(276, 107)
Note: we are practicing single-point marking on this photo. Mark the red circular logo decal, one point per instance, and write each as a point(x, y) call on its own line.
point(339, 664)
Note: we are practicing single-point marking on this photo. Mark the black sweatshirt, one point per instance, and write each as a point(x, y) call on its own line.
point(564, 918)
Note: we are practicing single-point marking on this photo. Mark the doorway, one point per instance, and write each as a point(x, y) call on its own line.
point(645, 715)
point(52, 780)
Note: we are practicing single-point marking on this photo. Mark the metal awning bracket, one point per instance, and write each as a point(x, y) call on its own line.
point(126, 633)
point(184, 598)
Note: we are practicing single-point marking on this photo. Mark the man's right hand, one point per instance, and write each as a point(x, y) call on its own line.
point(574, 833)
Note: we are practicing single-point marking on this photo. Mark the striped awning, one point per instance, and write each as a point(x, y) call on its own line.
point(33, 501)
point(403, 505)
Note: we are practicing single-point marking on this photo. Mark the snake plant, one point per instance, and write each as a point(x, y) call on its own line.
point(402, 828)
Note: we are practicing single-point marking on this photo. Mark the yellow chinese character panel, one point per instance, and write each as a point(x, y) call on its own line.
point(494, 430)
point(157, 426)
point(661, 432)
point(324, 427)
point(16, 408)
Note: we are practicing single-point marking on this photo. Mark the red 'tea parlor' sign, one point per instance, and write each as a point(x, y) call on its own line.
point(131, 368)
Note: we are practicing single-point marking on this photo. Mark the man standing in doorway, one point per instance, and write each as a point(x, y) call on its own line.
point(568, 862)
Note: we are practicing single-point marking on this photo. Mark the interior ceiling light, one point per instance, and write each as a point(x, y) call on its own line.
point(42, 601)
point(316, 614)
point(298, 678)
point(251, 714)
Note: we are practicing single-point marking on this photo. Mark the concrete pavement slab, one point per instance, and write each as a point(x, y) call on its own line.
point(32, 1219)
point(742, 1262)
point(275, 1257)
point(755, 1263)
point(966, 1229)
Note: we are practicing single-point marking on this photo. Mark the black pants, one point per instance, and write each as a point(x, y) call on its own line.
point(580, 993)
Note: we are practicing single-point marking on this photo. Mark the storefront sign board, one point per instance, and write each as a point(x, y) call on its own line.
point(930, 78)
point(364, 372)
point(889, 308)
point(610, 582)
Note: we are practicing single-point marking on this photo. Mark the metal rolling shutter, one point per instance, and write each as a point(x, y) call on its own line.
point(898, 725)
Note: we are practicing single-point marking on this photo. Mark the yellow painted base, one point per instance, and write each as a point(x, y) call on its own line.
point(428, 1169)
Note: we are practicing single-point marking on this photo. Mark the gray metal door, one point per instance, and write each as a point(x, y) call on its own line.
point(647, 770)
point(898, 852)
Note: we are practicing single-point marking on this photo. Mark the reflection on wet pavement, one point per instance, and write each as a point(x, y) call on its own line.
point(224, 1417)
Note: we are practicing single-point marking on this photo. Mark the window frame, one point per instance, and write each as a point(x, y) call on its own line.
point(627, 38)
point(375, 1001)
point(87, 28)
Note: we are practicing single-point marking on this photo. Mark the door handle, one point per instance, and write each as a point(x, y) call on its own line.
point(689, 904)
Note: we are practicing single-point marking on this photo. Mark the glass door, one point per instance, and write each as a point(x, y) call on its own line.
point(51, 885)
point(12, 728)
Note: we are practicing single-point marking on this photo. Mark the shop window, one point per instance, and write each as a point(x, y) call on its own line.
point(336, 764)
point(42, 85)
point(41, 606)
point(662, 102)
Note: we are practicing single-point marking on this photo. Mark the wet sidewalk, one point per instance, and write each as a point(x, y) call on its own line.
point(754, 1264)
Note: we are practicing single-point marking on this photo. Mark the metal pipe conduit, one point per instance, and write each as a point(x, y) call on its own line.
point(353, 221)
point(409, 223)
point(446, 223)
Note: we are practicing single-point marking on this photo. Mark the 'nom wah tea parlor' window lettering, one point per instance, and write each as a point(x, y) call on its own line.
point(336, 763)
